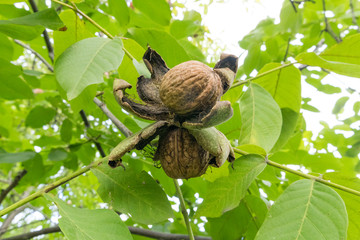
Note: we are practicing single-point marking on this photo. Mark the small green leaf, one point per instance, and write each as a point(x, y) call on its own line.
point(226, 192)
point(30, 26)
point(181, 29)
point(86, 224)
point(16, 157)
point(66, 130)
point(156, 10)
point(57, 154)
point(261, 118)
point(120, 11)
point(135, 193)
point(339, 105)
point(84, 63)
point(11, 85)
point(306, 210)
point(39, 116)
point(165, 44)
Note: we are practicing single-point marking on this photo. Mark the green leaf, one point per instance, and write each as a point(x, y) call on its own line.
point(6, 47)
point(156, 10)
point(134, 193)
point(57, 154)
point(352, 202)
point(284, 85)
point(16, 157)
point(289, 120)
point(261, 118)
point(239, 222)
point(226, 192)
point(120, 11)
point(84, 63)
point(85, 224)
point(39, 116)
point(344, 68)
point(30, 26)
point(181, 29)
point(11, 85)
point(347, 51)
point(290, 20)
point(306, 210)
point(66, 130)
point(165, 44)
point(75, 31)
point(339, 105)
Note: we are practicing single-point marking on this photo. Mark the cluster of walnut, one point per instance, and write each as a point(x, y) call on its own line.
point(185, 102)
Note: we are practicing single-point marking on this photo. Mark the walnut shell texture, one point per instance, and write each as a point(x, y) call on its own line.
point(190, 88)
point(180, 155)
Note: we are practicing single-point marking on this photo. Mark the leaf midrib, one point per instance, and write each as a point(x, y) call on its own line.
point(306, 209)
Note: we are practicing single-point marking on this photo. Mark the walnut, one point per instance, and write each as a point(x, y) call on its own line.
point(185, 102)
point(180, 154)
point(190, 88)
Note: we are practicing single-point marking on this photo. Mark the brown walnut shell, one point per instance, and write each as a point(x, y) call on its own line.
point(190, 88)
point(180, 154)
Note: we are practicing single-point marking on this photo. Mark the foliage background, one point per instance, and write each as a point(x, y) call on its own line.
point(42, 132)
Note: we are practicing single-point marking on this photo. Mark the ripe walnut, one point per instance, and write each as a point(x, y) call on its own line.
point(180, 154)
point(185, 102)
point(190, 88)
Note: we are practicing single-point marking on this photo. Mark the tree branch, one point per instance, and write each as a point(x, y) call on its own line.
point(13, 184)
point(354, 20)
point(30, 235)
point(51, 186)
point(112, 117)
point(262, 74)
point(304, 175)
point(48, 65)
point(133, 230)
point(328, 28)
point(6, 224)
point(45, 33)
point(183, 209)
point(87, 125)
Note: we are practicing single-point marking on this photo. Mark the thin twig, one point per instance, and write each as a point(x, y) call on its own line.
point(287, 49)
point(74, 8)
point(8, 220)
point(87, 126)
point(48, 65)
point(183, 209)
point(293, 5)
point(133, 230)
point(12, 185)
point(112, 117)
point(328, 28)
point(304, 175)
point(353, 16)
point(262, 74)
point(45, 33)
